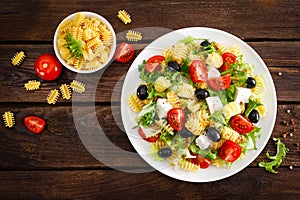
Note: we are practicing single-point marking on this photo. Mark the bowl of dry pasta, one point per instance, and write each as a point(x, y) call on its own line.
point(84, 42)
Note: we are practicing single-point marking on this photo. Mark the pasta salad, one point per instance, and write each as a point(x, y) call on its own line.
point(198, 104)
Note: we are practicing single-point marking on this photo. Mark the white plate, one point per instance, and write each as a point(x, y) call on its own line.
point(132, 81)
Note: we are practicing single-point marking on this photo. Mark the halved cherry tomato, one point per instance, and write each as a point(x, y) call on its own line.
point(34, 124)
point(241, 124)
point(230, 151)
point(148, 139)
point(228, 59)
point(125, 53)
point(200, 161)
point(176, 118)
point(153, 63)
point(219, 83)
point(47, 67)
point(198, 71)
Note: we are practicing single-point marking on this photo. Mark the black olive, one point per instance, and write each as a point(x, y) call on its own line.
point(254, 116)
point(165, 152)
point(174, 66)
point(251, 82)
point(142, 92)
point(201, 93)
point(185, 133)
point(205, 43)
point(213, 134)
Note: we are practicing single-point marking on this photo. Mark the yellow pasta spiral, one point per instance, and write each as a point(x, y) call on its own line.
point(135, 103)
point(173, 99)
point(161, 84)
point(231, 109)
point(229, 134)
point(188, 166)
point(165, 127)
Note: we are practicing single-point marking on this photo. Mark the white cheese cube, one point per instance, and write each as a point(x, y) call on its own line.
point(203, 142)
point(162, 107)
point(214, 104)
point(242, 94)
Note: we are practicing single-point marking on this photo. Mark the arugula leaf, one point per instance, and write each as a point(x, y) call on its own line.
point(151, 77)
point(230, 93)
point(251, 106)
point(218, 117)
point(203, 153)
point(147, 115)
point(75, 46)
point(276, 159)
point(189, 39)
point(251, 139)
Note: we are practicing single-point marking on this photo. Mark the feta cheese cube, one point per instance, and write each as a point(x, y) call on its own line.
point(162, 107)
point(214, 104)
point(203, 142)
point(242, 94)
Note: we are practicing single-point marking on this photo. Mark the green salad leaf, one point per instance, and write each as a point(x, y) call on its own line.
point(251, 106)
point(75, 46)
point(276, 159)
point(147, 115)
point(204, 153)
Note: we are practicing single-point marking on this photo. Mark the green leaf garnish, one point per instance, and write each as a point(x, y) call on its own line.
point(276, 159)
point(75, 46)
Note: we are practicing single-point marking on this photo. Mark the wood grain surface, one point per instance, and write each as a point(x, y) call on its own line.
point(57, 164)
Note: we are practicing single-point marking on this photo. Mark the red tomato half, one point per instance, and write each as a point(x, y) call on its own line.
point(219, 83)
point(148, 139)
point(241, 124)
point(125, 53)
point(198, 71)
point(228, 59)
point(34, 124)
point(230, 151)
point(47, 67)
point(200, 161)
point(176, 118)
point(153, 63)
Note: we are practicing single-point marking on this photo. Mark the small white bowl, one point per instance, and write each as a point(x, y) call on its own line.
point(88, 15)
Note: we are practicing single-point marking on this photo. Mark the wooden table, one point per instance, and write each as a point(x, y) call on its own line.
point(56, 165)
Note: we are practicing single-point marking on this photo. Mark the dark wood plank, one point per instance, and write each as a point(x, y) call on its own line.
point(109, 87)
point(60, 147)
point(98, 184)
point(37, 20)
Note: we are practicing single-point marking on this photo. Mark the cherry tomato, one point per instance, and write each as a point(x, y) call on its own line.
point(198, 71)
point(228, 59)
point(148, 139)
point(34, 124)
point(230, 151)
point(200, 161)
point(153, 63)
point(219, 83)
point(47, 67)
point(125, 53)
point(176, 118)
point(241, 124)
